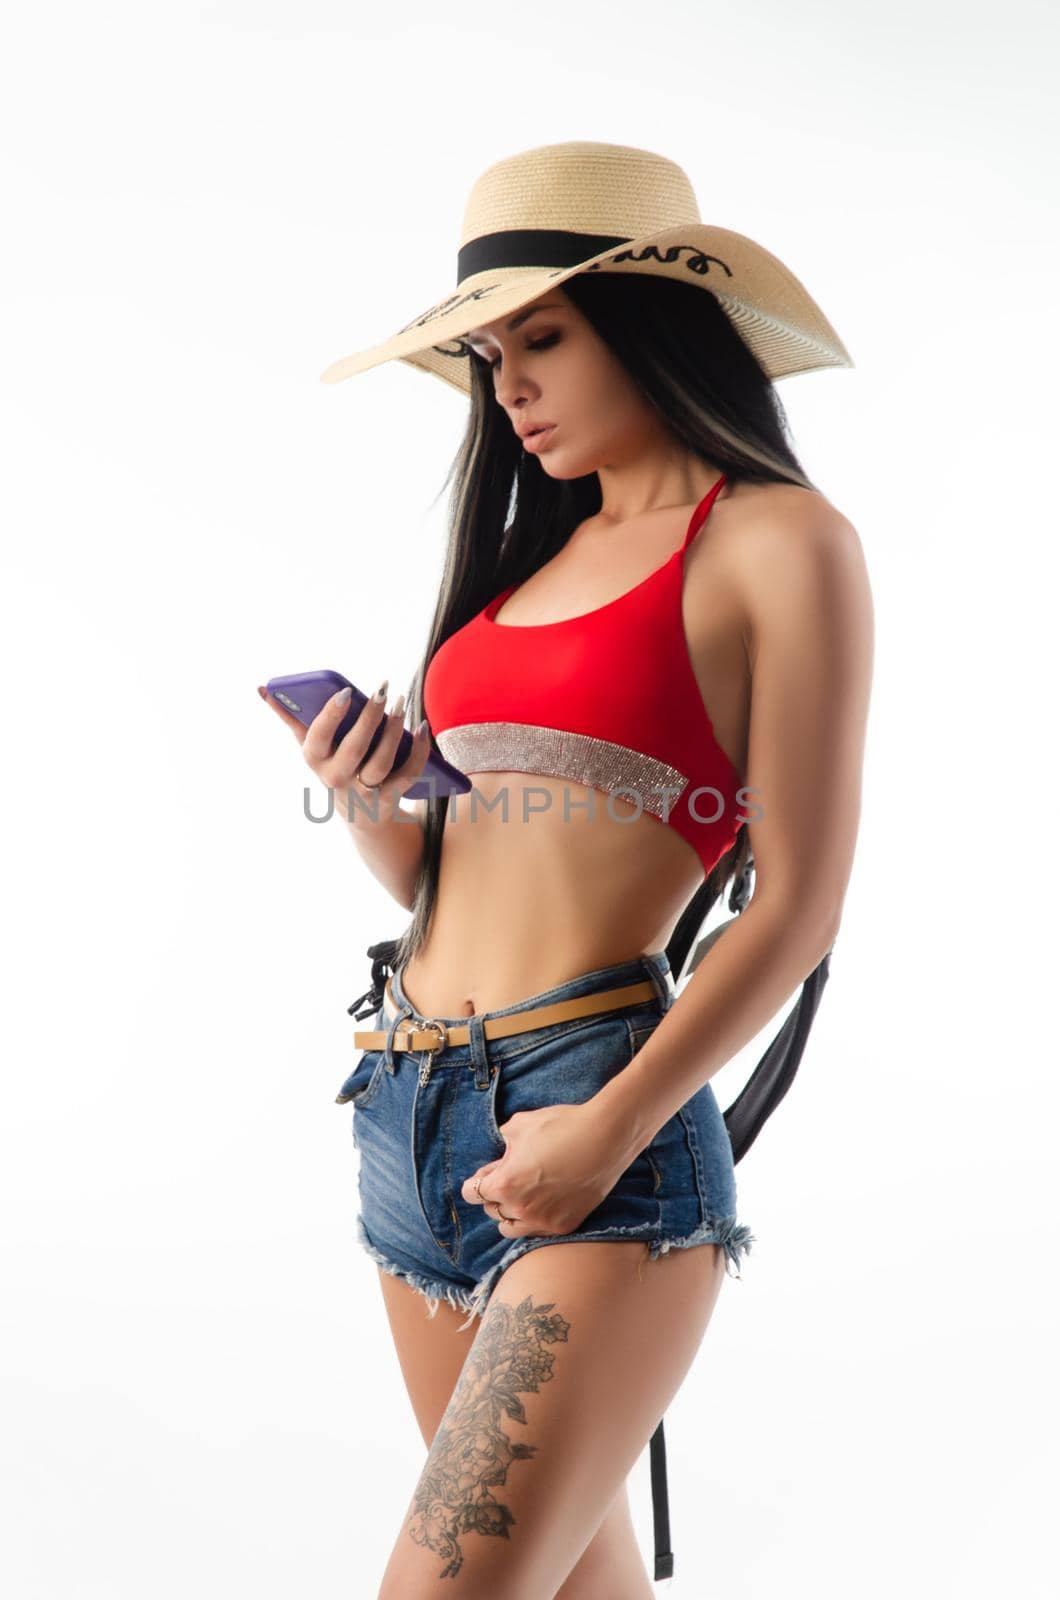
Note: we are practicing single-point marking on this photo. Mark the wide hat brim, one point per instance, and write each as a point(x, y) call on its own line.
point(771, 310)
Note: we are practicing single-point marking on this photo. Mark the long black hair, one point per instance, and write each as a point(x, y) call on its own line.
point(507, 517)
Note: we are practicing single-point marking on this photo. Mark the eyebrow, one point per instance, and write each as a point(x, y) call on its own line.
point(518, 320)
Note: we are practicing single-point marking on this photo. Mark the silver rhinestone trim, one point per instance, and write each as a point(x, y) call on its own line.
point(598, 763)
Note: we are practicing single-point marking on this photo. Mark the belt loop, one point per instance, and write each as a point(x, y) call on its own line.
point(403, 1014)
point(658, 969)
point(479, 1052)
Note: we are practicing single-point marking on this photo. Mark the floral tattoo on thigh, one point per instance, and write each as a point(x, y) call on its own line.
point(471, 1453)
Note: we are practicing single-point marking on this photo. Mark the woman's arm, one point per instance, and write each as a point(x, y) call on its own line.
point(392, 847)
point(391, 841)
point(810, 638)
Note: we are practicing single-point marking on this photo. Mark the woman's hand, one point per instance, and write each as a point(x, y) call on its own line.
point(560, 1162)
point(342, 769)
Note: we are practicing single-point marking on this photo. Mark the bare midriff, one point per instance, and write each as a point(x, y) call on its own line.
point(523, 905)
point(572, 878)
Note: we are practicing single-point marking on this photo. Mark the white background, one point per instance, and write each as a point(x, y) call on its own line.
point(203, 207)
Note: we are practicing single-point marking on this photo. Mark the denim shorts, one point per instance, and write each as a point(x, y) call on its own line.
point(419, 1141)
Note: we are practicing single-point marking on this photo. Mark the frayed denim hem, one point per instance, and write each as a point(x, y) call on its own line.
point(734, 1237)
point(433, 1290)
point(533, 1241)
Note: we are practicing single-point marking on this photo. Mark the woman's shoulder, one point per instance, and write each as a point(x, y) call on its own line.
point(777, 551)
point(775, 510)
point(794, 559)
point(773, 532)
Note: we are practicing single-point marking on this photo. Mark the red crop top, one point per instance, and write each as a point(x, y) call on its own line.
point(607, 699)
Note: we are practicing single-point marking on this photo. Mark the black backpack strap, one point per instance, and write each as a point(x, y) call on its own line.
point(382, 955)
point(775, 1073)
point(760, 1096)
point(660, 1506)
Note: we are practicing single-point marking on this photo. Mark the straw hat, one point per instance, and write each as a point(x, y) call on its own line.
point(535, 219)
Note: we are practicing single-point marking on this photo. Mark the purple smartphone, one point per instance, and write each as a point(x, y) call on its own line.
point(304, 695)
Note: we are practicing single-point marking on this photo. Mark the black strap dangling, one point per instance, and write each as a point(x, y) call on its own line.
point(660, 1505)
point(383, 955)
point(762, 1093)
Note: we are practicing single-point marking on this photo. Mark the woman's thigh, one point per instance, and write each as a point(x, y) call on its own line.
point(580, 1351)
point(431, 1352)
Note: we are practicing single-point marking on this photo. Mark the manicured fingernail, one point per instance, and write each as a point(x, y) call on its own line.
point(380, 693)
point(398, 708)
point(343, 695)
point(422, 729)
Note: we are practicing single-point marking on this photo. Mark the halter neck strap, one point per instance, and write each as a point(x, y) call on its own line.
point(699, 515)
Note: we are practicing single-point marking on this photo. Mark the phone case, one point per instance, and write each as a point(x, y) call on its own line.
point(304, 695)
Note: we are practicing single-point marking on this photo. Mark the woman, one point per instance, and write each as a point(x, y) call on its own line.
point(651, 651)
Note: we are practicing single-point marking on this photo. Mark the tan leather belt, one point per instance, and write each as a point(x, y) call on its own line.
point(435, 1036)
